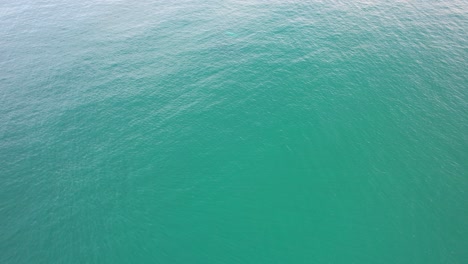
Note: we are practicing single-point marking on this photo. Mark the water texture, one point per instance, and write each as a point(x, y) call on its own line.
point(237, 131)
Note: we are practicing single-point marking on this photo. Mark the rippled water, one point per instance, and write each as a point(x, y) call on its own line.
point(202, 131)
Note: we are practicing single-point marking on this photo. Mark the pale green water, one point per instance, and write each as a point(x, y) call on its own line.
point(232, 131)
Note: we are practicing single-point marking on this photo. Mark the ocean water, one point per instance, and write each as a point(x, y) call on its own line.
point(236, 131)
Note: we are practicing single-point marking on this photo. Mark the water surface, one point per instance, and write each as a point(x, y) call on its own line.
point(202, 131)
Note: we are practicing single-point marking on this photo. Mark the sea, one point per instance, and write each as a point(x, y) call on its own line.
point(234, 131)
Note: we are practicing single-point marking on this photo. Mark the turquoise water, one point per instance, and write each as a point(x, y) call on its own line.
point(234, 131)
